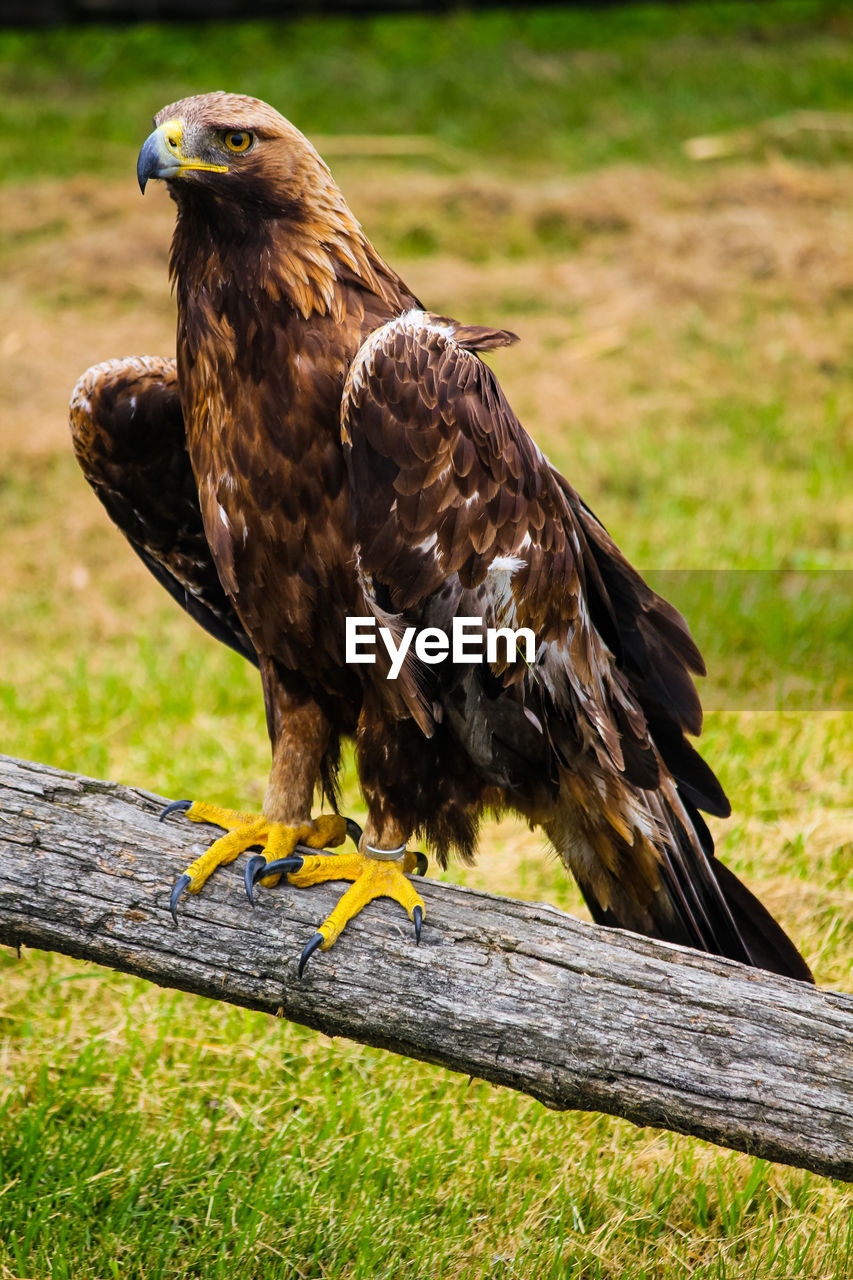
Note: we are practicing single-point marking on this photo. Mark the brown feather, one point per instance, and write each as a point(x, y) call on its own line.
point(350, 454)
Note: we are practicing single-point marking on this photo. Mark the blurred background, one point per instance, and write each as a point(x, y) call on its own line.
point(657, 199)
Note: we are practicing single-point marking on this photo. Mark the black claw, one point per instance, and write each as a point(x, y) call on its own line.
point(180, 884)
point(353, 831)
point(177, 806)
point(249, 879)
point(316, 941)
point(278, 866)
point(258, 867)
point(421, 864)
point(418, 917)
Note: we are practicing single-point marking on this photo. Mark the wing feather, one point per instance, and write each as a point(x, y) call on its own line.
point(458, 513)
point(128, 434)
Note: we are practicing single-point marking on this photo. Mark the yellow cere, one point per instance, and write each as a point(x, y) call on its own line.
point(173, 134)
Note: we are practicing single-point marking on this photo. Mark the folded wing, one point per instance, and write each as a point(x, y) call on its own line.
point(128, 433)
point(458, 514)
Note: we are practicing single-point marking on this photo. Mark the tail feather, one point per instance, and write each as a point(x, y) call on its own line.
point(766, 940)
point(688, 875)
point(738, 925)
point(667, 883)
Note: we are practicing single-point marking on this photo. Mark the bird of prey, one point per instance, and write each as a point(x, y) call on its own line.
point(325, 448)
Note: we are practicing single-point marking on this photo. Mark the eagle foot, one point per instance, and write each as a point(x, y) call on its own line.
point(245, 831)
point(371, 878)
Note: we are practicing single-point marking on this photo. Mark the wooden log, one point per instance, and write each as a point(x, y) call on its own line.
point(519, 994)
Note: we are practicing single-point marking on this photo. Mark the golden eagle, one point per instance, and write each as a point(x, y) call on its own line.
point(324, 448)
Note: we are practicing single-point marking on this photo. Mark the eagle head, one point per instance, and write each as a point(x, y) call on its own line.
point(249, 188)
point(234, 148)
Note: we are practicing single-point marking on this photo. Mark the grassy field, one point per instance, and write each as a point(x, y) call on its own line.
point(685, 359)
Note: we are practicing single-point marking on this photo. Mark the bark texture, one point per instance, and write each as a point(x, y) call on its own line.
point(516, 993)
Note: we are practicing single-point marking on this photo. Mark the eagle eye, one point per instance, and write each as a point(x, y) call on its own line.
point(238, 139)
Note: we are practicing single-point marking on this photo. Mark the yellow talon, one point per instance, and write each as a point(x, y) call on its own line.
point(371, 877)
point(230, 819)
point(225, 850)
point(276, 839)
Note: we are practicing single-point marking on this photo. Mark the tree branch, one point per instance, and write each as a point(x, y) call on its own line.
point(515, 993)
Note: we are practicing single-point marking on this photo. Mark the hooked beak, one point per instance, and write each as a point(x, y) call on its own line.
point(161, 156)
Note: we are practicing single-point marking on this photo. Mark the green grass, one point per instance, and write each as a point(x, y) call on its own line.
point(705, 416)
point(566, 87)
point(190, 1139)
